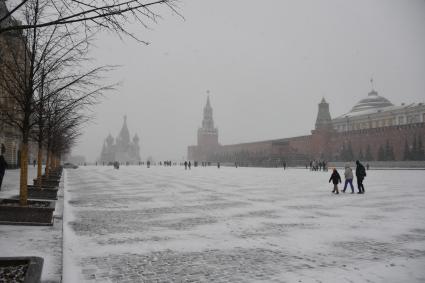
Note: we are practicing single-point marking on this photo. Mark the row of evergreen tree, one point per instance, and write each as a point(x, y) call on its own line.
point(415, 151)
point(386, 153)
point(347, 153)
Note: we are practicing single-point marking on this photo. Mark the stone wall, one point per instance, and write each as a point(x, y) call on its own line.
point(383, 164)
point(376, 138)
point(325, 145)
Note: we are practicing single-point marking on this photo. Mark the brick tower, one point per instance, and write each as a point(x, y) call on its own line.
point(320, 148)
point(323, 120)
point(207, 134)
point(207, 137)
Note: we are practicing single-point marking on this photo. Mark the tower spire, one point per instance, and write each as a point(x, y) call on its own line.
point(207, 134)
point(373, 92)
point(208, 97)
point(208, 122)
point(323, 120)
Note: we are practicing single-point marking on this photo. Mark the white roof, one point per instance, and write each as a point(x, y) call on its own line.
point(371, 111)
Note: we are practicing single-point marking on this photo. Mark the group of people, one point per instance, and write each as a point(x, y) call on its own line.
point(166, 163)
point(314, 165)
point(187, 165)
point(348, 174)
point(318, 165)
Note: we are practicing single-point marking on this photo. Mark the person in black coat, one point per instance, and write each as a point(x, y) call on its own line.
point(3, 164)
point(360, 174)
point(336, 179)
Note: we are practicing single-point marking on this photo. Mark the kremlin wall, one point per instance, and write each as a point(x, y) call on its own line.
point(373, 130)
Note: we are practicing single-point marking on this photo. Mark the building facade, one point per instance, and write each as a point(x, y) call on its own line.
point(374, 129)
point(121, 149)
point(10, 136)
point(376, 111)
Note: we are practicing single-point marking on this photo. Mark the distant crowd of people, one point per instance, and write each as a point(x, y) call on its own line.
point(187, 165)
point(317, 165)
point(348, 174)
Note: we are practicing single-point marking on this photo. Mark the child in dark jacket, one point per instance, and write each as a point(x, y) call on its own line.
point(335, 178)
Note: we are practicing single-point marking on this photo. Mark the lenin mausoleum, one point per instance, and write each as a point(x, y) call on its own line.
point(373, 130)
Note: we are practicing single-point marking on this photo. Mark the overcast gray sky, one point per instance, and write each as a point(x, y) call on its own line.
point(267, 64)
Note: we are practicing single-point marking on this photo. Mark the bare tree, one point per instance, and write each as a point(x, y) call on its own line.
point(63, 129)
point(63, 87)
point(112, 15)
point(41, 70)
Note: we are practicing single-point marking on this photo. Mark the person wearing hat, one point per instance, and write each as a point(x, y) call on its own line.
point(3, 164)
point(360, 174)
point(336, 179)
point(348, 173)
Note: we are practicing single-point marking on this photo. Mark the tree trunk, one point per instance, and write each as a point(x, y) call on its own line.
point(52, 162)
point(23, 189)
point(49, 157)
point(39, 163)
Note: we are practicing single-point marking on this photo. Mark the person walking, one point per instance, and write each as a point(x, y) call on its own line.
point(3, 164)
point(185, 165)
point(360, 174)
point(348, 178)
point(189, 165)
point(336, 179)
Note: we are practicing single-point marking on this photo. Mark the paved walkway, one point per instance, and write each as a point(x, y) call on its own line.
point(241, 225)
point(42, 241)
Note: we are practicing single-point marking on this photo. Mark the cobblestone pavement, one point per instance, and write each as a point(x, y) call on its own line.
point(241, 225)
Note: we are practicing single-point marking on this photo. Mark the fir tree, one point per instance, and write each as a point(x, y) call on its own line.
point(350, 155)
point(381, 153)
point(368, 156)
point(414, 152)
point(406, 151)
point(360, 157)
point(421, 154)
point(391, 156)
point(388, 151)
point(342, 154)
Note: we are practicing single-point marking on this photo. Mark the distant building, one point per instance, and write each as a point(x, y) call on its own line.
point(374, 129)
point(207, 137)
point(122, 149)
point(12, 55)
point(376, 111)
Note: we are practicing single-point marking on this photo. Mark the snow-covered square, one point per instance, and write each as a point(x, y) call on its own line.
point(167, 224)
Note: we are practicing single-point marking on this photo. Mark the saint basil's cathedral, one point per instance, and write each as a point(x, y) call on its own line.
point(121, 149)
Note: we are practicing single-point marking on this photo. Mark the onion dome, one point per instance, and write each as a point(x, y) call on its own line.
point(136, 139)
point(124, 136)
point(109, 140)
